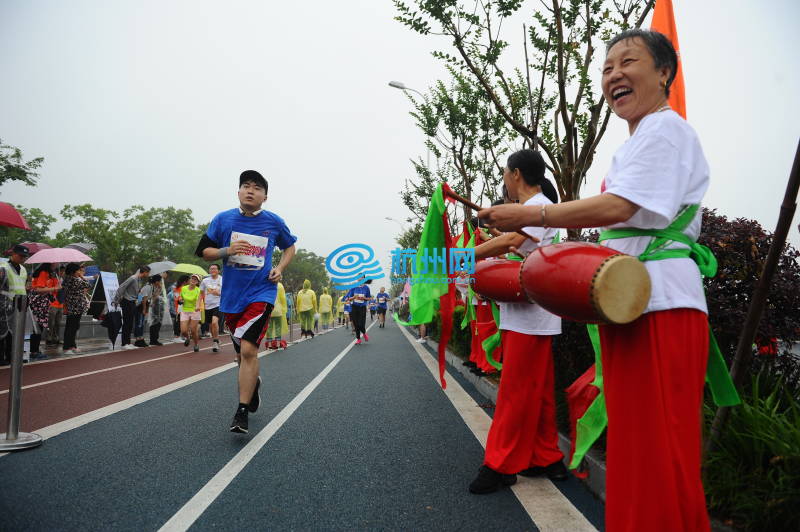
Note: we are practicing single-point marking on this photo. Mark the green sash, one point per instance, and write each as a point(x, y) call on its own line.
point(594, 421)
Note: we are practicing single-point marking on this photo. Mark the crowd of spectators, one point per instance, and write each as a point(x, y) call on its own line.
point(59, 295)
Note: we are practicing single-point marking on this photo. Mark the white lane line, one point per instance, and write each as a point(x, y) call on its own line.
point(95, 372)
point(192, 510)
point(546, 506)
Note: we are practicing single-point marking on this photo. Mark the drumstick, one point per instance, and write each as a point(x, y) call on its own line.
point(475, 206)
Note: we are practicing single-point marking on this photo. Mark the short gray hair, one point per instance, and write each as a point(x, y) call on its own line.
point(659, 46)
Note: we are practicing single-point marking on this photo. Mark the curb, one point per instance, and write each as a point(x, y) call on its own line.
point(595, 482)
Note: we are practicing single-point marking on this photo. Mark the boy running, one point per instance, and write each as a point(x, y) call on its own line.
point(244, 238)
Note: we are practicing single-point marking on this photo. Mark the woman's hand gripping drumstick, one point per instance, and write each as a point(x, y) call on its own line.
point(480, 209)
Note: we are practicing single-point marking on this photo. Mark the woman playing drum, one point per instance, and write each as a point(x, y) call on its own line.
point(653, 367)
point(523, 436)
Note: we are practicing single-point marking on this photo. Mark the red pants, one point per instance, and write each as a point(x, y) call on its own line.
point(523, 432)
point(653, 377)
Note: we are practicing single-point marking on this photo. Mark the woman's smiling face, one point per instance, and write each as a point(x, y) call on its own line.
point(632, 85)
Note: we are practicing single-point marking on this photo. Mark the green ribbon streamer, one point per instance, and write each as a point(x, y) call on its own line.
point(594, 421)
point(424, 299)
point(491, 343)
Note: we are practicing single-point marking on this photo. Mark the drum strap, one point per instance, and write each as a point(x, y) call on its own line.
point(657, 249)
point(591, 425)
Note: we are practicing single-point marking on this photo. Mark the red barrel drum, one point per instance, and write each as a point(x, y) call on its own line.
point(499, 280)
point(586, 282)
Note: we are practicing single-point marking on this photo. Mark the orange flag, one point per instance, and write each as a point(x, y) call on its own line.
point(664, 22)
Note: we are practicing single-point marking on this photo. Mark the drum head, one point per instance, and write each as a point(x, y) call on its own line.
point(621, 289)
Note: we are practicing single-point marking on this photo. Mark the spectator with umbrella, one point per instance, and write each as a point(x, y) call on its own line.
point(76, 291)
point(13, 278)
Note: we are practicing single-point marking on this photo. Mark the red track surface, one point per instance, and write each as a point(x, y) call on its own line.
point(51, 403)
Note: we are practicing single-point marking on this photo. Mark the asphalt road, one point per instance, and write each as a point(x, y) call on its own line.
point(347, 437)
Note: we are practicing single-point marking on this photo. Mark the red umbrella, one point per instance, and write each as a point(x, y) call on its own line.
point(10, 217)
point(33, 247)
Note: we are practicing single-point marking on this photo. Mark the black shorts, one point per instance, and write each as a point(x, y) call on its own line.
point(211, 312)
point(381, 310)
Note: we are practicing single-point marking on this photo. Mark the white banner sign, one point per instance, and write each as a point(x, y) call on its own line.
point(110, 285)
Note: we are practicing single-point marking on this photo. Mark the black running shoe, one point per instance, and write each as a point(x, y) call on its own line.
point(489, 481)
point(255, 400)
point(140, 343)
point(239, 423)
point(554, 471)
point(186, 342)
point(196, 348)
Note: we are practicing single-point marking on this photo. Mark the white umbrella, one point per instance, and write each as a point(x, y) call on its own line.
point(161, 267)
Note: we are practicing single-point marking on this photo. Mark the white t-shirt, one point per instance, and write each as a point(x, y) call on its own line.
point(212, 300)
point(530, 318)
point(661, 168)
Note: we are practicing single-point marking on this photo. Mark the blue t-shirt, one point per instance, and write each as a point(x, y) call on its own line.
point(246, 275)
point(383, 299)
point(360, 294)
point(348, 308)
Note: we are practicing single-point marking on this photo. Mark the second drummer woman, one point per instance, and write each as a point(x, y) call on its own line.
point(523, 436)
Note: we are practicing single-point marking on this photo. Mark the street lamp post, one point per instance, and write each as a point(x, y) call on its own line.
point(398, 222)
point(403, 87)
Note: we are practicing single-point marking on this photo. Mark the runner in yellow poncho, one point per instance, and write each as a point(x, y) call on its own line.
point(325, 309)
point(306, 308)
point(277, 321)
point(339, 310)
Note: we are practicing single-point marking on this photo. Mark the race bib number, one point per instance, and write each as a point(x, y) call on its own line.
point(254, 256)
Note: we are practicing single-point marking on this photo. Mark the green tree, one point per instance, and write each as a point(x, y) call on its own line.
point(13, 167)
point(39, 223)
point(564, 116)
point(97, 226)
point(162, 234)
point(468, 139)
point(137, 236)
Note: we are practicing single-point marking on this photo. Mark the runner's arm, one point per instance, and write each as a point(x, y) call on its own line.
point(286, 257)
point(210, 251)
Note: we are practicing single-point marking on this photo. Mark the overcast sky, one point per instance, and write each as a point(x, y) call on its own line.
point(164, 103)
